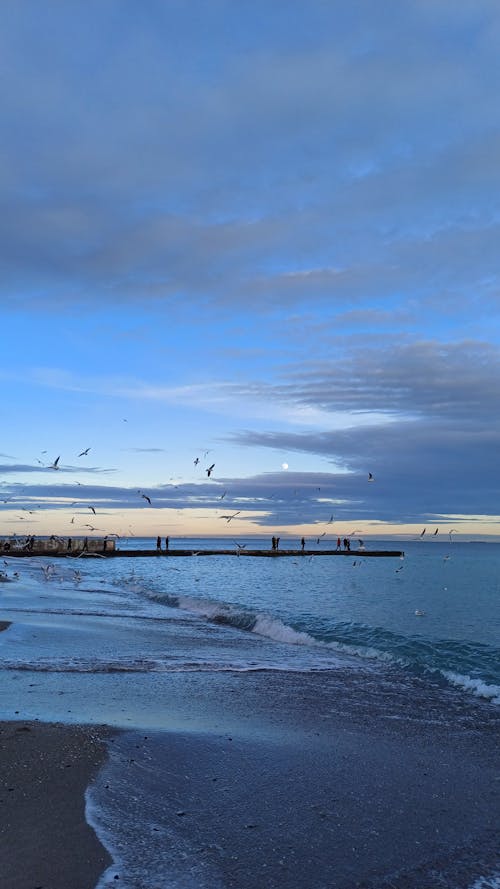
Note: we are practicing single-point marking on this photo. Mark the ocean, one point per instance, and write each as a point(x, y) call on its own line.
point(155, 646)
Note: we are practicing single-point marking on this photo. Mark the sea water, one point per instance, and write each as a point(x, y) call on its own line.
point(100, 641)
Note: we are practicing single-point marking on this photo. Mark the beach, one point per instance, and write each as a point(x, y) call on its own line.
point(303, 784)
point(251, 724)
point(45, 840)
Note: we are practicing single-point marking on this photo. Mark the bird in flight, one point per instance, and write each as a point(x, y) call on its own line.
point(54, 465)
point(93, 509)
point(229, 517)
point(370, 477)
point(84, 453)
point(145, 496)
point(196, 461)
point(423, 532)
point(209, 470)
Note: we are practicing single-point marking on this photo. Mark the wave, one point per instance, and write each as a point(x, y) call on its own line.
point(371, 644)
point(145, 665)
point(476, 686)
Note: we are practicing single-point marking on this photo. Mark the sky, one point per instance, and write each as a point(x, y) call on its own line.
point(259, 235)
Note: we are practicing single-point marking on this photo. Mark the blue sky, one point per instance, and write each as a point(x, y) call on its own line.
point(265, 231)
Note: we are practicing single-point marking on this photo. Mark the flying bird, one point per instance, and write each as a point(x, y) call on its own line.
point(54, 464)
point(423, 532)
point(436, 532)
point(84, 453)
point(209, 470)
point(145, 496)
point(196, 461)
point(92, 508)
point(229, 517)
point(370, 477)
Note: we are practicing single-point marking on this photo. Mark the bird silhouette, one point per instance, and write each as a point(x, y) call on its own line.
point(54, 465)
point(210, 469)
point(84, 453)
point(145, 497)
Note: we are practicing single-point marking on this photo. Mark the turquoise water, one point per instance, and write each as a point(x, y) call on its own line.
point(432, 613)
point(218, 645)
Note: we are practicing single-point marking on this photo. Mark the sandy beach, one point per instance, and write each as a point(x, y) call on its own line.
point(45, 841)
point(354, 800)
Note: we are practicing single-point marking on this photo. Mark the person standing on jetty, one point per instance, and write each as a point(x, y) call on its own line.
point(302, 544)
point(167, 541)
point(273, 543)
point(158, 543)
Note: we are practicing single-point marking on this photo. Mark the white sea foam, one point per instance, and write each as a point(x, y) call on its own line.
point(477, 686)
point(491, 882)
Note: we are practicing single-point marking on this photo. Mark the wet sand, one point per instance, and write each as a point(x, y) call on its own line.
point(300, 786)
point(45, 841)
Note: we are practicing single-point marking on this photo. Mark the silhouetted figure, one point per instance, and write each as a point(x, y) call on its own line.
point(70, 544)
point(158, 543)
point(167, 542)
point(302, 544)
point(273, 542)
point(85, 545)
point(338, 543)
point(277, 542)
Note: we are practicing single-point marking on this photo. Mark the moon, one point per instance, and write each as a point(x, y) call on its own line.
point(284, 465)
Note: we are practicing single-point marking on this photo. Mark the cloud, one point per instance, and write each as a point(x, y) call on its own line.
point(278, 167)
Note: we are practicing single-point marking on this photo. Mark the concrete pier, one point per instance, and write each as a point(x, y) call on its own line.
point(95, 552)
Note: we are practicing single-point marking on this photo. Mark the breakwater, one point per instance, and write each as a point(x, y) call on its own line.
point(176, 553)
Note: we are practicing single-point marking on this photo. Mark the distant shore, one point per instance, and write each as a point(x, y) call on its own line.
point(45, 840)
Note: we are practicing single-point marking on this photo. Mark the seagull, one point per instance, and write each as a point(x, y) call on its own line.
point(419, 613)
point(196, 461)
point(229, 517)
point(423, 532)
point(54, 464)
point(453, 531)
point(223, 495)
point(84, 453)
point(145, 496)
point(436, 532)
point(92, 508)
point(209, 470)
point(330, 520)
point(239, 545)
point(370, 477)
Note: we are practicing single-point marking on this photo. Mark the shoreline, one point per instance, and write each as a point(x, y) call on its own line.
point(45, 840)
point(282, 781)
